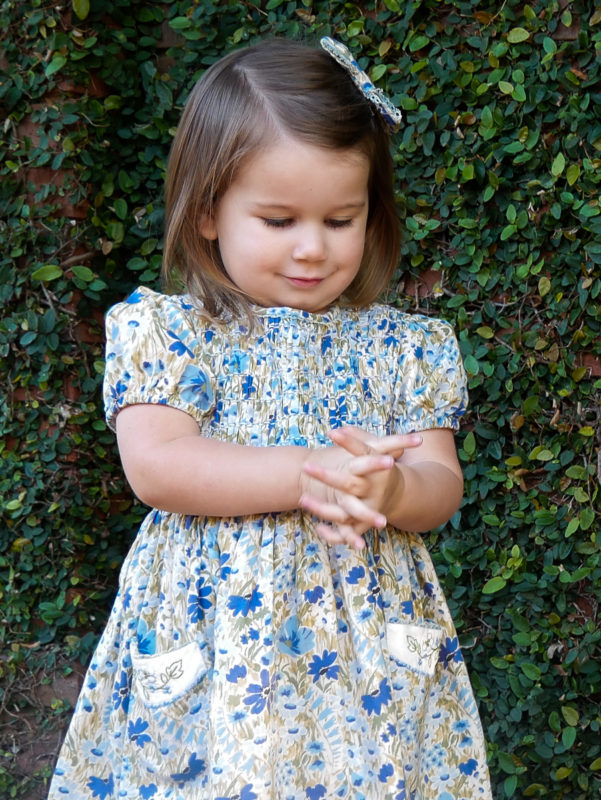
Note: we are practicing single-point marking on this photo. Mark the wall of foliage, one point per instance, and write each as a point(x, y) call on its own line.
point(499, 172)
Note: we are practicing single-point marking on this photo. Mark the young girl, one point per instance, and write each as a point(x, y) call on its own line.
point(279, 630)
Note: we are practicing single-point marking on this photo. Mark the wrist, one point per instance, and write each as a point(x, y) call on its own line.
point(394, 496)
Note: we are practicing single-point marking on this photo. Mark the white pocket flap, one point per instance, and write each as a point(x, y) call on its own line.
point(416, 646)
point(162, 678)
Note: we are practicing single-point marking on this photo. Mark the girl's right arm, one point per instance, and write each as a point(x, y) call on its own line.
point(171, 466)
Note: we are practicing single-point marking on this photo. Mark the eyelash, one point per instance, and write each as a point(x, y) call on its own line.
point(285, 222)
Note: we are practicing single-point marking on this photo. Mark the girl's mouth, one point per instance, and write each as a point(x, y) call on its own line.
point(305, 283)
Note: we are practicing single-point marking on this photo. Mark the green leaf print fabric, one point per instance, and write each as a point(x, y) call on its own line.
point(244, 657)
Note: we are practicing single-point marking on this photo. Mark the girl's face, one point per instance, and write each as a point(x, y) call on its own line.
point(291, 227)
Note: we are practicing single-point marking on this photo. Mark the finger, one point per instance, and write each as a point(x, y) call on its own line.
point(331, 512)
point(350, 479)
point(340, 535)
point(346, 509)
point(398, 442)
point(353, 440)
point(358, 442)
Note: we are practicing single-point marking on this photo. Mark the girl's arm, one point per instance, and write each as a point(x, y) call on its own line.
point(170, 466)
point(422, 490)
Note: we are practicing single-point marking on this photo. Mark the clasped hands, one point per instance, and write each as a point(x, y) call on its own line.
point(352, 486)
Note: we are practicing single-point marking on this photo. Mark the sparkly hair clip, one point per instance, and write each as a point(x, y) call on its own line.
point(390, 113)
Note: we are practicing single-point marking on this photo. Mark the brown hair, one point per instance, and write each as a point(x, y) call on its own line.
point(238, 105)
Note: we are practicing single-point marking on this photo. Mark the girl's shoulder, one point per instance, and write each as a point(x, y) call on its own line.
point(144, 301)
point(157, 313)
point(380, 316)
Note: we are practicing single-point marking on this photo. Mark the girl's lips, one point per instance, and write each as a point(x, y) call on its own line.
point(305, 283)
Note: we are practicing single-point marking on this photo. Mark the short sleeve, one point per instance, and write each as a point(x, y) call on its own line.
point(154, 355)
point(431, 385)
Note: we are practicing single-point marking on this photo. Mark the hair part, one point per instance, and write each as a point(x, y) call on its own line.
point(242, 103)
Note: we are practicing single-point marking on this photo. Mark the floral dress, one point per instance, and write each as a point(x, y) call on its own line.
point(244, 657)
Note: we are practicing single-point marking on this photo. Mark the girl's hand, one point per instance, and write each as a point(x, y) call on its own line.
point(356, 481)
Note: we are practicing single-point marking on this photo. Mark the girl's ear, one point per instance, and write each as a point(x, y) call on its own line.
point(208, 228)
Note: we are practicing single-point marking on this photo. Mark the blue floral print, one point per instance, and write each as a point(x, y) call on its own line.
point(245, 659)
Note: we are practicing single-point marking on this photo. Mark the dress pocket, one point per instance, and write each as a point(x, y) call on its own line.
point(415, 646)
point(161, 679)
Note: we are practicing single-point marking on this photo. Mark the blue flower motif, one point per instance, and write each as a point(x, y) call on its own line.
point(315, 594)
point(101, 787)
point(468, 767)
point(355, 575)
point(450, 651)
point(389, 732)
point(402, 794)
point(259, 696)
point(198, 603)
point(372, 703)
point(375, 591)
point(428, 589)
point(315, 792)
point(324, 665)
point(407, 607)
point(236, 672)
point(225, 569)
point(135, 297)
point(247, 386)
point(245, 604)
point(294, 640)
point(117, 391)
point(246, 793)
point(238, 361)
point(178, 346)
point(147, 639)
point(385, 773)
point(195, 387)
point(121, 693)
point(135, 731)
point(146, 792)
point(195, 767)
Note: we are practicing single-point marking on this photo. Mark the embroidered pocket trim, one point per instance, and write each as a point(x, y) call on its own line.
point(165, 677)
point(416, 646)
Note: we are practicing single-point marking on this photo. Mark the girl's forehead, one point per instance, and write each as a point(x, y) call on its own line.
point(288, 152)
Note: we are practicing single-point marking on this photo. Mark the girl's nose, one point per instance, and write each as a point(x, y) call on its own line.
point(310, 245)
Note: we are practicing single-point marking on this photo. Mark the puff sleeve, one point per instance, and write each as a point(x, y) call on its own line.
point(154, 355)
point(431, 385)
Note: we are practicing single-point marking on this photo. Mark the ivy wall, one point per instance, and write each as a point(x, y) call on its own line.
point(499, 171)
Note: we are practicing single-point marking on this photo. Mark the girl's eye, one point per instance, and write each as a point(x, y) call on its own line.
point(277, 222)
point(339, 223)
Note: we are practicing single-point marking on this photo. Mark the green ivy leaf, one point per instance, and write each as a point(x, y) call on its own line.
point(531, 671)
point(58, 62)
point(49, 272)
point(573, 173)
point(570, 715)
point(517, 35)
point(81, 8)
point(469, 443)
point(83, 273)
point(586, 518)
point(494, 585)
point(179, 23)
point(558, 165)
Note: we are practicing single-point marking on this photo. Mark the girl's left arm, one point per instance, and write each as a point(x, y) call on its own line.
point(421, 490)
point(427, 486)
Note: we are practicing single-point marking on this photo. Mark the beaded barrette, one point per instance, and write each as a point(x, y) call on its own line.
point(390, 113)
